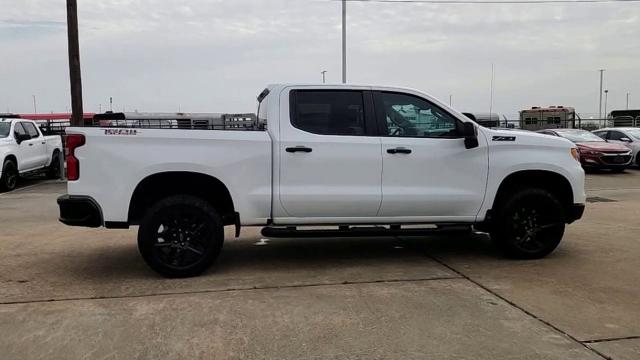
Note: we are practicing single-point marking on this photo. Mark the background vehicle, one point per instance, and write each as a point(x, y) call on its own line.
point(24, 150)
point(625, 118)
point(594, 151)
point(627, 136)
point(320, 161)
point(551, 117)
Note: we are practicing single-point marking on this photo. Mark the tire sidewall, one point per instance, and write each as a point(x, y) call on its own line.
point(147, 235)
point(8, 167)
point(503, 233)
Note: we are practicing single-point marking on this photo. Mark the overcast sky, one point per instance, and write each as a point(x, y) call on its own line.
point(216, 56)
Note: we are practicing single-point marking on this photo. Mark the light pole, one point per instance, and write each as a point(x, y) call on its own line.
point(600, 104)
point(35, 108)
point(606, 97)
point(323, 75)
point(450, 99)
point(344, 41)
point(628, 101)
point(74, 64)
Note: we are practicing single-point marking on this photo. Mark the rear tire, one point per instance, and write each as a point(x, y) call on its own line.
point(529, 224)
point(10, 175)
point(180, 236)
point(53, 172)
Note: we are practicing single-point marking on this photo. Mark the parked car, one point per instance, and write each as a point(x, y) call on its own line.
point(319, 161)
point(594, 151)
point(627, 136)
point(24, 150)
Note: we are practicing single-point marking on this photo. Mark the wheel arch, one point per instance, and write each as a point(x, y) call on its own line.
point(161, 185)
point(11, 157)
point(552, 181)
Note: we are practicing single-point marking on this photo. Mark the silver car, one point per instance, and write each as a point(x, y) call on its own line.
point(628, 136)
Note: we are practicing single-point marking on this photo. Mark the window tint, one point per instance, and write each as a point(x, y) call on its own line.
point(602, 134)
point(31, 129)
point(5, 128)
point(329, 112)
point(18, 129)
point(615, 135)
point(410, 116)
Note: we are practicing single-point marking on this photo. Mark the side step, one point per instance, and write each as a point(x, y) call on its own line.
point(359, 231)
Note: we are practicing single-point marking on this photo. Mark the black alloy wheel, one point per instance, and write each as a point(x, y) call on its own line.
point(530, 224)
point(10, 176)
point(180, 236)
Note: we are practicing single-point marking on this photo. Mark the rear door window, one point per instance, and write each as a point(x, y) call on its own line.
point(329, 112)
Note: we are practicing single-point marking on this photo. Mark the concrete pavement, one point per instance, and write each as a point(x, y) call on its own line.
point(72, 293)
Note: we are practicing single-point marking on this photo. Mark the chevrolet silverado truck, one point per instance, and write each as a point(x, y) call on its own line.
point(322, 160)
point(24, 151)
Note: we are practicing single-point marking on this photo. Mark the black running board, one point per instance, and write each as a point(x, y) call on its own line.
point(359, 231)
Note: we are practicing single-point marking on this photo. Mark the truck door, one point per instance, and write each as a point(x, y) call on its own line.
point(330, 160)
point(41, 158)
point(27, 152)
point(428, 173)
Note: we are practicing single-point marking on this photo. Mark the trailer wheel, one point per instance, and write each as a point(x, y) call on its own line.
point(529, 224)
point(180, 236)
point(9, 179)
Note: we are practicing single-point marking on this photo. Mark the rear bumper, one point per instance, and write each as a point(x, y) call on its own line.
point(575, 212)
point(79, 211)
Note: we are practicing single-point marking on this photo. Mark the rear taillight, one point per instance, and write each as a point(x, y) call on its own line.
point(73, 164)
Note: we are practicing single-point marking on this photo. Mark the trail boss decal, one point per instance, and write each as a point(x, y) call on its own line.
point(121, 132)
point(504, 138)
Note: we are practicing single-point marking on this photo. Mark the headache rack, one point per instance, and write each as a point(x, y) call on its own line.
point(184, 121)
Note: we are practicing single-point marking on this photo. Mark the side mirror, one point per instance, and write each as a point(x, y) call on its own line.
point(625, 139)
point(21, 137)
point(470, 133)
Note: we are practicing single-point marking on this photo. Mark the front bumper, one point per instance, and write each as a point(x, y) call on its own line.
point(575, 213)
point(79, 211)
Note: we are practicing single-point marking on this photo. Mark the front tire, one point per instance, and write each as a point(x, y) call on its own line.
point(180, 236)
point(529, 224)
point(9, 179)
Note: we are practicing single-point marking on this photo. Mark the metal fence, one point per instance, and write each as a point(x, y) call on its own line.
point(585, 124)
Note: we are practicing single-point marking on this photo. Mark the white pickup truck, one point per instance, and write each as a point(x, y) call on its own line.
point(24, 150)
point(358, 160)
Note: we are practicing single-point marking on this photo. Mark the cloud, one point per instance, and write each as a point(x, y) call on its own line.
point(204, 55)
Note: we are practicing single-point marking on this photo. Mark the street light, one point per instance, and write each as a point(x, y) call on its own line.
point(600, 103)
point(323, 75)
point(606, 97)
point(628, 101)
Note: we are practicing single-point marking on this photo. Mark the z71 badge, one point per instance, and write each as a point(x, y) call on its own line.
point(504, 138)
point(120, 131)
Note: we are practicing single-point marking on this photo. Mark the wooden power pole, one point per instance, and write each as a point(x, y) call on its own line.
point(77, 118)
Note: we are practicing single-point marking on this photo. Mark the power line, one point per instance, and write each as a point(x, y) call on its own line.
point(472, 2)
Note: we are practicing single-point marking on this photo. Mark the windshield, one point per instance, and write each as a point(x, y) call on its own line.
point(635, 133)
point(5, 127)
point(579, 136)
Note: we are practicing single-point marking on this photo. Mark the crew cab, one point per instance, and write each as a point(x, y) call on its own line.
point(358, 160)
point(25, 150)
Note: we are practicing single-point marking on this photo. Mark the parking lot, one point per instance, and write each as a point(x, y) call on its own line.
point(85, 293)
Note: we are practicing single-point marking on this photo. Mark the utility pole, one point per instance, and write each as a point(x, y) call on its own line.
point(450, 99)
point(600, 106)
point(606, 98)
point(323, 75)
point(491, 97)
point(111, 104)
point(344, 41)
point(628, 101)
point(35, 108)
point(74, 64)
